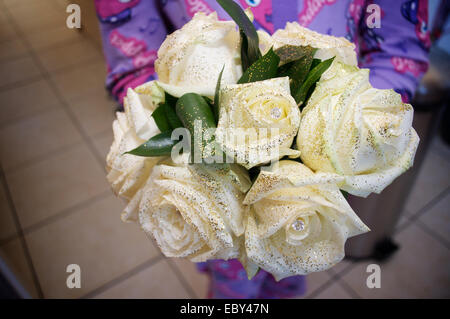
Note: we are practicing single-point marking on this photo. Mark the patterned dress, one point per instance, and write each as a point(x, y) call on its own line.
point(396, 53)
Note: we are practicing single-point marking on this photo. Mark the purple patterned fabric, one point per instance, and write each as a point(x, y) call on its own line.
point(396, 54)
point(228, 279)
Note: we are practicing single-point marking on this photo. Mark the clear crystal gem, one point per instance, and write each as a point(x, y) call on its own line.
point(298, 225)
point(275, 112)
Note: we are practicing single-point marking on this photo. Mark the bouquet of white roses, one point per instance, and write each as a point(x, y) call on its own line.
point(243, 145)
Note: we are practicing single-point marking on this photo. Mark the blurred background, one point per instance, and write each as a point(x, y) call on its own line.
point(57, 208)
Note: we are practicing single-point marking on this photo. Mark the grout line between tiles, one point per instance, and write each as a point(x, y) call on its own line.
point(55, 89)
point(62, 214)
point(338, 276)
point(8, 239)
point(344, 271)
point(13, 121)
point(321, 288)
point(14, 57)
point(433, 234)
point(430, 204)
point(66, 212)
point(21, 236)
point(70, 67)
point(37, 159)
point(182, 280)
point(150, 262)
point(35, 78)
point(412, 219)
point(20, 83)
point(341, 282)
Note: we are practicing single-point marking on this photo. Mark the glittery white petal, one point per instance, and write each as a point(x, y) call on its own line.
point(328, 46)
point(127, 173)
point(288, 192)
point(357, 132)
point(194, 211)
point(139, 117)
point(190, 59)
point(253, 110)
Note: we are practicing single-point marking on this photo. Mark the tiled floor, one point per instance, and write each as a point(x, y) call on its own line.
point(57, 209)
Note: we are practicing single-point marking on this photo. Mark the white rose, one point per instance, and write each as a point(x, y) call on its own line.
point(328, 46)
point(252, 110)
point(195, 211)
point(190, 59)
point(128, 173)
point(298, 222)
point(357, 135)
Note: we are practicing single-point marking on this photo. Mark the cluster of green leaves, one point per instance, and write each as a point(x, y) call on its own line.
point(166, 119)
point(174, 113)
point(296, 62)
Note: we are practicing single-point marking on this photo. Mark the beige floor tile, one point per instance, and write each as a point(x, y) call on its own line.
point(94, 238)
point(335, 291)
point(36, 136)
point(12, 4)
point(315, 280)
point(81, 81)
point(72, 54)
point(198, 281)
point(157, 281)
point(7, 32)
point(13, 49)
point(7, 225)
point(52, 185)
point(433, 178)
point(420, 269)
point(52, 37)
point(340, 267)
point(14, 256)
point(63, 3)
point(440, 147)
point(37, 17)
point(103, 143)
point(17, 70)
point(403, 220)
point(26, 100)
point(438, 218)
point(95, 112)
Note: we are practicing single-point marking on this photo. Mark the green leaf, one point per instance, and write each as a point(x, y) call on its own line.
point(313, 76)
point(315, 62)
point(245, 61)
point(250, 41)
point(345, 194)
point(158, 145)
point(160, 118)
point(265, 68)
point(171, 116)
point(190, 108)
point(297, 70)
point(171, 100)
point(208, 100)
point(165, 115)
point(216, 96)
point(289, 53)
